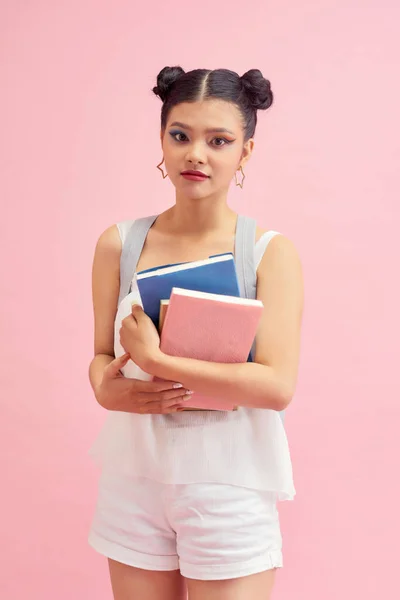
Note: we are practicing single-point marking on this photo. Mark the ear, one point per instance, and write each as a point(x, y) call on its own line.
point(247, 152)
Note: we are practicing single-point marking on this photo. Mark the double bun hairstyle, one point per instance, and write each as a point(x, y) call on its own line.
point(250, 92)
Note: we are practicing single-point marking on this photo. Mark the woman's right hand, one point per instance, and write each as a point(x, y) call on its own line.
point(120, 393)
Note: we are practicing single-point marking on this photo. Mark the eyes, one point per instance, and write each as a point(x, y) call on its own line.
point(181, 137)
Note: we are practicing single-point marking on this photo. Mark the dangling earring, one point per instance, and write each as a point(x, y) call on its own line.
point(240, 183)
point(159, 167)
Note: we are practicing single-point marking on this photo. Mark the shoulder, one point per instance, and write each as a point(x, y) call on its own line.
point(279, 247)
point(109, 240)
point(113, 237)
point(107, 254)
point(280, 267)
point(274, 247)
point(280, 257)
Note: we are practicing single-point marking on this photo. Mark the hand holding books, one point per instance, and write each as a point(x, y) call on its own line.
point(200, 314)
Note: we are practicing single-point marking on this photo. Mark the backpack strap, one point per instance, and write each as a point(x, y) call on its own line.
point(131, 252)
point(244, 256)
point(244, 260)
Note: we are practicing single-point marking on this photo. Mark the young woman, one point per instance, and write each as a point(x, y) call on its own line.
point(188, 500)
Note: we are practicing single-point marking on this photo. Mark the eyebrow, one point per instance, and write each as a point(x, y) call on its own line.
point(212, 130)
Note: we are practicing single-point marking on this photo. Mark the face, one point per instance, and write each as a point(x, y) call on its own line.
point(206, 137)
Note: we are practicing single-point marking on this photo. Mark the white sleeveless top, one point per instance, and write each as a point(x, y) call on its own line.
point(247, 447)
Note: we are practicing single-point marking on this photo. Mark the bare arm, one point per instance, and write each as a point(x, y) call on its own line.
point(105, 290)
point(270, 381)
point(96, 370)
point(113, 391)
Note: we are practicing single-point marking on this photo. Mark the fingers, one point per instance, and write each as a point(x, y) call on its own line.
point(174, 404)
point(164, 402)
point(167, 396)
point(163, 408)
point(160, 386)
point(184, 395)
point(114, 367)
point(137, 312)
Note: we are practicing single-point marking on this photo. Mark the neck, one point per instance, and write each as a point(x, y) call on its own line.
point(201, 216)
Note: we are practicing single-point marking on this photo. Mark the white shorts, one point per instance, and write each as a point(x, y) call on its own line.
point(208, 531)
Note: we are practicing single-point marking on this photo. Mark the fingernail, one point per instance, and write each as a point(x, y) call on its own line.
point(177, 386)
point(187, 396)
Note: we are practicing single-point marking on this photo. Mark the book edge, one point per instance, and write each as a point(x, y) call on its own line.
point(215, 297)
point(185, 266)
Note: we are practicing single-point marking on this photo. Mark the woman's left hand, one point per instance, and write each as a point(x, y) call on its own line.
point(140, 339)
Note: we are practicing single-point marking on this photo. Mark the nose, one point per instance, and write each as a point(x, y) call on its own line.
point(196, 155)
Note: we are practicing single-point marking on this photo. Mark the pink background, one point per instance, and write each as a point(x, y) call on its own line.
point(79, 150)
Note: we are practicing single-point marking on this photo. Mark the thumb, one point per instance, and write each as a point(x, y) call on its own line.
point(137, 312)
point(114, 367)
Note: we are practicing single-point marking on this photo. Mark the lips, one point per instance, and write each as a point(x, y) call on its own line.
point(194, 175)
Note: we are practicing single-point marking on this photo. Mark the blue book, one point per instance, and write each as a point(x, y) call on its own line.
point(215, 275)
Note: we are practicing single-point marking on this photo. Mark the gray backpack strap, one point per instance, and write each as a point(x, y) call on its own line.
point(245, 265)
point(244, 260)
point(131, 252)
point(244, 256)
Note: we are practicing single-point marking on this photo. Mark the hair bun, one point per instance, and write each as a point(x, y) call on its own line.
point(165, 80)
point(258, 89)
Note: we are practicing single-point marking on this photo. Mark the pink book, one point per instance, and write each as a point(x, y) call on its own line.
point(210, 327)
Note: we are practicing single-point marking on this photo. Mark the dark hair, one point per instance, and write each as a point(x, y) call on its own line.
point(250, 92)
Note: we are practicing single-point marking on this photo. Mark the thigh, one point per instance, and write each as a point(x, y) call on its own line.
point(254, 587)
point(130, 583)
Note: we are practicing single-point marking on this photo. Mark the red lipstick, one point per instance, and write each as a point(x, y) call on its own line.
point(194, 175)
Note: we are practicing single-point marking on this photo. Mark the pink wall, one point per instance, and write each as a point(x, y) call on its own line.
point(79, 147)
